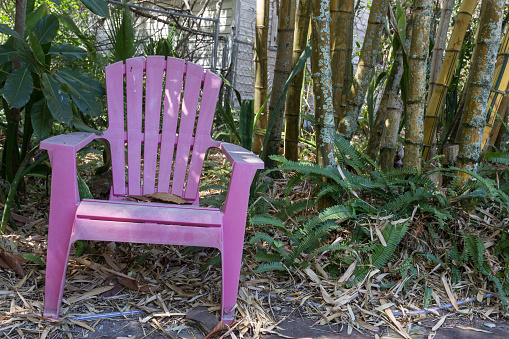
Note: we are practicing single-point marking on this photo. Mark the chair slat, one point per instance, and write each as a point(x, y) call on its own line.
point(115, 132)
point(134, 92)
point(175, 69)
point(202, 140)
point(153, 95)
point(192, 88)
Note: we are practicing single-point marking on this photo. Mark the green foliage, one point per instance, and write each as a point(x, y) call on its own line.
point(33, 258)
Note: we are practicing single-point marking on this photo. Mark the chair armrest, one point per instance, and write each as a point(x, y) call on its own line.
point(76, 140)
point(244, 166)
point(236, 154)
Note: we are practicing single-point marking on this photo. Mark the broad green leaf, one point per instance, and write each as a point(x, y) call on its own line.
point(18, 87)
point(57, 2)
point(68, 51)
point(81, 126)
point(47, 28)
point(34, 17)
point(67, 21)
point(42, 120)
point(58, 101)
point(7, 53)
point(7, 30)
point(99, 7)
point(37, 48)
point(83, 79)
point(84, 99)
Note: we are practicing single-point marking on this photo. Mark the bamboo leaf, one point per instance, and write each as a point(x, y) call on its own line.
point(47, 28)
point(68, 51)
point(58, 101)
point(18, 87)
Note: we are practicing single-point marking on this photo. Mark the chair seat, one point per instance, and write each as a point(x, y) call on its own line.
point(159, 213)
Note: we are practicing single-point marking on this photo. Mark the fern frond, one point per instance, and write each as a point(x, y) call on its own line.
point(273, 266)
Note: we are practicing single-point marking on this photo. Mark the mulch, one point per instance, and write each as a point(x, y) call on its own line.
point(165, 284)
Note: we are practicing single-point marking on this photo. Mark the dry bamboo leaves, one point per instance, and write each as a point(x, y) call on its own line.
point(167, 198)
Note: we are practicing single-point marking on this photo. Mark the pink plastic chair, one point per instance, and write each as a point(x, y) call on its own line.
point(157, 148)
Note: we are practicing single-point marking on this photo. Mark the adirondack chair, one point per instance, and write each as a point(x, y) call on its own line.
point(151, 150)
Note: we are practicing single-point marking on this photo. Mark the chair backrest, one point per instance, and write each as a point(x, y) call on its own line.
point(163, 146)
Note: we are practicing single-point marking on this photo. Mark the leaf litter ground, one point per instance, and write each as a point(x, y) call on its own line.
point(166, 284)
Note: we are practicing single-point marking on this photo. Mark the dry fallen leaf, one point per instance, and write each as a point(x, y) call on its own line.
point(169, 198)
point(220, 327)
point(9, 261)
point(133, 285)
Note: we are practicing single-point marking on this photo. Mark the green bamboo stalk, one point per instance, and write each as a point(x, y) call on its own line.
point(282, 69)
point(417, 60)
point(365, 68)
point(322, 82)
point(260, 60)
point(342, 13)
point(294, 98)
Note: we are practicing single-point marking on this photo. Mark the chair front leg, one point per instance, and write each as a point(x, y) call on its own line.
point(63, 204)
point(234, 225)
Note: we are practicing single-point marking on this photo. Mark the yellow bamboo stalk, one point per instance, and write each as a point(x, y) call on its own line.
point(322, 82)
point(439, 92)
point(497, 125)
point(498, 88)
point(294, 99)
point(417, 59)
point(481, 72)
point(365, 68)
point(260, 61)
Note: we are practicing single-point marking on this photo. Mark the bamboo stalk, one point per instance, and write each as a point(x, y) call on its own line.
point(322, 82)
point(481, 72)
point(260, 61)
point(498, 88)
point(293, 106)
point(439, 92)
point(384, 134)
point(341, 45)
point(497, 125)
point(282, 69)
point(417, 60)
point(438, 49)
point(365, 68)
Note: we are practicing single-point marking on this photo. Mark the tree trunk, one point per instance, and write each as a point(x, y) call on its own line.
point(498, 88)
point(341, 44)
point(417, 60)
point(481, 71)
point(14, 114)
point(260, 60)
point(293, 106)
point(282, 69)
point(365, 68)
point(322, 82)
point(436, 101)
